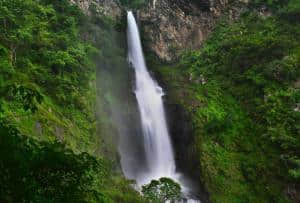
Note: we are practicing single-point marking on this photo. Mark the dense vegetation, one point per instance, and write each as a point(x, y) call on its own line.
point(162, 190)
point(242, 93)
point(34, 171)
point(134, 3)
point(47, 102)
point(41, 55)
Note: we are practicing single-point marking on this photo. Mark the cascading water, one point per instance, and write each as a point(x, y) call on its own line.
point(157, 144)
point(154, 3)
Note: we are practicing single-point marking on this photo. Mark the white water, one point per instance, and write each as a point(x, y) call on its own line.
point(157, 144)
point(154, 3)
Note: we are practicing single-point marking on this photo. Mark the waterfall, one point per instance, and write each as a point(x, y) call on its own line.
point(159, 157)
point(157, 143)
point(154, 2)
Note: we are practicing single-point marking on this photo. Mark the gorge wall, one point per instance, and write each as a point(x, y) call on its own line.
point(172, 26)
point(209, 117)
point(168, 28)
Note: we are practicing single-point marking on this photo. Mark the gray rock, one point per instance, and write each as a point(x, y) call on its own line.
point(173, 26)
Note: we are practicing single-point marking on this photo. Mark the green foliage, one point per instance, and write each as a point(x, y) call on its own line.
point(43, 57)
point(34, 38)
point(43, 172)
point(261, 56)
point(273, 4)
point(47, 104)
point(242, 93)
point(29, 97)
point(134, 3)
point(162, 190)
point(33, 171)
point(291, 12)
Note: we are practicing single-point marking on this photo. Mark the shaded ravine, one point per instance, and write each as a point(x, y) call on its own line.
point(158, 152)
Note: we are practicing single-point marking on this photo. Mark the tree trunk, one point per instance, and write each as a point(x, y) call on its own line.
point(13, 54)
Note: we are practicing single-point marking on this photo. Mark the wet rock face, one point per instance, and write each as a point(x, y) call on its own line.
point(172, 26)
point(182, 133)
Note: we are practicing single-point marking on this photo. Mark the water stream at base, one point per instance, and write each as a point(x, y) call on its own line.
point(159, 156)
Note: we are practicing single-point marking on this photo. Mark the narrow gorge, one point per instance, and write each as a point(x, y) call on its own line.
point(150, 101)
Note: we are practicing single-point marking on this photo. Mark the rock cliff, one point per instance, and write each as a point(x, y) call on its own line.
point(172, 26)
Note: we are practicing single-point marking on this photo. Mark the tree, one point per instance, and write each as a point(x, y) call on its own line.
point(162, 190)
